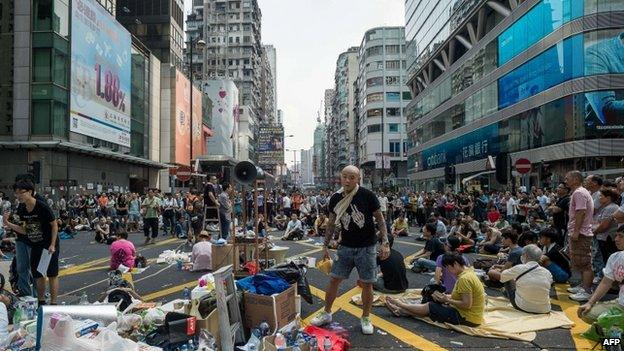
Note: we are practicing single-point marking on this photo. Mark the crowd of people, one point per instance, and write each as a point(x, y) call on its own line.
point(526, 239)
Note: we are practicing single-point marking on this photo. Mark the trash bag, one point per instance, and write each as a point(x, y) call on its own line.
point(263, 284)
point(601, 329)
point(293, 273)
point(118, 295)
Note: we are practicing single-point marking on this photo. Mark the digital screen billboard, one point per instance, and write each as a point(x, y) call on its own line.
point(100, 74)
point(270, 147)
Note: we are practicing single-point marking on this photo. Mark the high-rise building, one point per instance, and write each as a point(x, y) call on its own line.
point(539, 80)
point(86, 114)
point(158, 24)
point(271, 55)
point(328, 102)
point(318, 156)
point(341, 126)
point(382, 97)
point(266, 105)
point(306, 175)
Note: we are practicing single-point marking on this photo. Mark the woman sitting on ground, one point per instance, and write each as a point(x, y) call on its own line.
point(465, 305)
point(102, 230)
point(400, 226)
point(122, 251)
point(201, 255)
point(442, 275)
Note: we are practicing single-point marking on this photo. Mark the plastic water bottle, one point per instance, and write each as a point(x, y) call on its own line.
point(17, 317)
point(191, 345)
point(84, 299)
point(186, 293)
point(313, 344)
point(265, 328)
point(327, 344)
point(184, 347)
point(179, 264)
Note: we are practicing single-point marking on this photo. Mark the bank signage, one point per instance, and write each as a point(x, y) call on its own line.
point(100, 74)
point(473, 146)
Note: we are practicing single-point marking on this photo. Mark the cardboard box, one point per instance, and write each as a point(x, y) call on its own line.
point(223, 255)
point(268, 344)
point(211, 323)
point(277, 310)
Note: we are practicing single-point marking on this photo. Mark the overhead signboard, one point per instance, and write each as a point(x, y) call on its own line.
point(270, 145)
point(100, 74)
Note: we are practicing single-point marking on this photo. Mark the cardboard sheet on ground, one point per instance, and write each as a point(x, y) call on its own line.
point(502, 321)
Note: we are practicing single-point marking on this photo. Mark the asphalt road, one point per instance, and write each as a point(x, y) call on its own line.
point(84, 266)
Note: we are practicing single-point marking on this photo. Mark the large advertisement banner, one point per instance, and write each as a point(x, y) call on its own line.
point(225, 116)
point(270, 145)
point(183, 120)
point(100, 74)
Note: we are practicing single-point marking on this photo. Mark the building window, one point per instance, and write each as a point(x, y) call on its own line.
point(40, 123)
point(393, 112)
point(407, 95)
point(395, 147)
point(375, 50)
point(42, 65)
point(60, 68)
point(373, 82)
point(376, 112)
point(392, 80)
point(374, 128)
point(374, 97)
point(393, 127)
point(42, 15)
point(61, 18)
point(393, 97)
point(395, 64)
point(392, 49)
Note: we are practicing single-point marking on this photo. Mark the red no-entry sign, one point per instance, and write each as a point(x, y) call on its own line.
point(184, 173)
point(523, 166)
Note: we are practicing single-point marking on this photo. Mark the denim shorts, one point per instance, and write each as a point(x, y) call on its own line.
point(364, 259)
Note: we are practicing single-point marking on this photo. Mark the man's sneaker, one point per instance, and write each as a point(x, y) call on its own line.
point(367, 326)
point(321, 319)
point(596, 280)
point(582, 296)
point(575, 290)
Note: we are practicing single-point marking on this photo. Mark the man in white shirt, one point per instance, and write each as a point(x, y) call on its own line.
point(528, 284)
point(512, 207)
point(543, 200)
point(613, 271)
point(294, 229)
point(287, 205)
point(383, 203)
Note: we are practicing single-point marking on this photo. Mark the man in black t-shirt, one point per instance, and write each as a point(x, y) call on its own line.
point(39, 229)
point(425, 259)
point(394, 278)
point(355, 210)
point(211, 191)
point(560, 212)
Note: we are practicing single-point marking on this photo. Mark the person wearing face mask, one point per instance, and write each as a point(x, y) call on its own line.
point(528, 284)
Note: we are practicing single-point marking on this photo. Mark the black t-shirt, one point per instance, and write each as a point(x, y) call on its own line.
point(37, 224)
point(358, 228)
point(560, 219)
point(435, 246)
point(210, 189)
point(555, 256)
point(393, 270)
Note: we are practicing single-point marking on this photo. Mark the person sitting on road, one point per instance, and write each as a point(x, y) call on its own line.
point(528, 284)
point(442, 275)
point(493, 215)
point(294, 230)
point(393, 278)
point(122, 251)
point(552, 258)
point(425, 259)
point(510, 240)
point(201, 255)
point(465, 305)
point(613, 272)
point(102, 230)
point(281, 220)
point(320, 225)
point(400, 227)
point(492, 243)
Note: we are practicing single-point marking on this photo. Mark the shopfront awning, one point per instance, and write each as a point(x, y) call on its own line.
point(82, 149)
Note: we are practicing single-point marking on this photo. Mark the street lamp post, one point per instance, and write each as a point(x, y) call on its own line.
point(200, 45)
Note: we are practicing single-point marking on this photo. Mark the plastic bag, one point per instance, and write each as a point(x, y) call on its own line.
point(263, 284)
point(293, 273)
point(599, 330)
point(129, 322)
point(324, 265)
point(154, 316)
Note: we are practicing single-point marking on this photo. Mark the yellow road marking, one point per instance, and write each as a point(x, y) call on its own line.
point(169, 291)
point(570, 308)
point(344, 303)
point(87, 265)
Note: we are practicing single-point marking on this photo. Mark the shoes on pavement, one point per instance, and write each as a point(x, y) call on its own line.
point(596, 280)
point(575, 290)
point(147, 240)
point(582, 296)
point(321, 319)
point(153, 240)
point(367, 326)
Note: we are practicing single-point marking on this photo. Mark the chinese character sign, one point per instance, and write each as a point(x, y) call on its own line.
point(100, 74)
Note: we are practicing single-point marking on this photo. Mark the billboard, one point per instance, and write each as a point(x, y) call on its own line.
point(225, 116)
point(270, 146)
point(183, 118)
point(100, 74)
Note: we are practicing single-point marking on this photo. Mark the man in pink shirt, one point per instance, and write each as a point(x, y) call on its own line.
point(122, 251)
point(581, 212)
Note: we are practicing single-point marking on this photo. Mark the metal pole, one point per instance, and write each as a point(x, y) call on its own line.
point(191, 116)
point(383, 159)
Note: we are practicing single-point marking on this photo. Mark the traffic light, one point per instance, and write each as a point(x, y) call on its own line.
point(449, 174)
point(502, 168)
point(34, 168)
